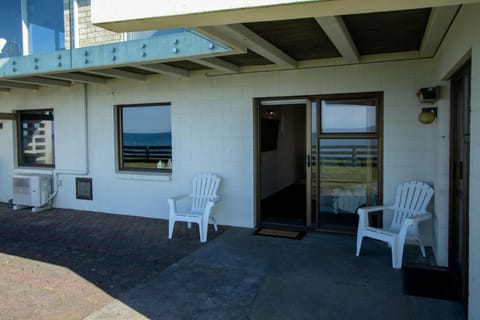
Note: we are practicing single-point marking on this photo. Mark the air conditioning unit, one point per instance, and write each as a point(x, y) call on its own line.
point(31, 190)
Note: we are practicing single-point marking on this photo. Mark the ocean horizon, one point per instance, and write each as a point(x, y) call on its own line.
point(147, 139)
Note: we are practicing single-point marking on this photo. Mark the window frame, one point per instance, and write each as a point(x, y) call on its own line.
point(119, 134)
point(20, 146)
point(377, 135)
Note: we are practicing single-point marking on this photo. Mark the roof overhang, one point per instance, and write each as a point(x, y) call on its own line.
point(96, 63)
point(149, 15)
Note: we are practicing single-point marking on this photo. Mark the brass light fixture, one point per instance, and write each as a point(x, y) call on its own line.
point(427, 115)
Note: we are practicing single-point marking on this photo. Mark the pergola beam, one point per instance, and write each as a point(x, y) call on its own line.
point(338, 33)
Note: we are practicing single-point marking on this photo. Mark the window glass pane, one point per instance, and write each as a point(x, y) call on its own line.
point(146, 137)
point(45, 26)
point(10, 28)
point(37, 138)
point(349, 116)
point(348, 177)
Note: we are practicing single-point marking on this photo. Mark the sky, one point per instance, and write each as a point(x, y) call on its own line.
point(351, 118)
point(151, 119)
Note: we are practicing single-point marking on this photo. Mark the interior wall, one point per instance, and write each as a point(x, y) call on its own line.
point(284, 166)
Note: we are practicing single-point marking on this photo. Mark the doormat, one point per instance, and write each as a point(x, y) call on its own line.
point(431, 283)
point(279, 233)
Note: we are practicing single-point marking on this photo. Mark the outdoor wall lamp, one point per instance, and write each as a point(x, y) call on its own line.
point(427, 115)
point(428, 95)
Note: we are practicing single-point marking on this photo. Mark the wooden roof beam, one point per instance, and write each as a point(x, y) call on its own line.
point(262, 47)
point(164, 69)
point(117, 73)
point(18, 85)
point(42, 82)
point(338, 33)
point(241, 38)
point(218, 64)
point(438, 24)
point(75, 77)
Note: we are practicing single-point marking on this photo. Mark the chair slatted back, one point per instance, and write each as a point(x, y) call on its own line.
point(205, 187)
point(412, 199)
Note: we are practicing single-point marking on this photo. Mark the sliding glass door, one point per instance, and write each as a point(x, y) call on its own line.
point(348, 154)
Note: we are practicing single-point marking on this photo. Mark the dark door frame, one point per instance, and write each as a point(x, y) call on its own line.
point(459, 171)
point(257, 111)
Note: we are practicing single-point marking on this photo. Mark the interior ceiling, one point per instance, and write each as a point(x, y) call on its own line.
point(289, 43)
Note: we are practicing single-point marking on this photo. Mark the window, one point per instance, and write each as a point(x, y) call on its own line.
point(145, 137)
point(31, 27)
point(36, 138)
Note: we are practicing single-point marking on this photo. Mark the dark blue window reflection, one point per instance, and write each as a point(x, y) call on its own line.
point(10, 29)
point(44, 32)
point(146, 137)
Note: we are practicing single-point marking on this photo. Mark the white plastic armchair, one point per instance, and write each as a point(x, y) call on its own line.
point(409, 209)
point(203, 197)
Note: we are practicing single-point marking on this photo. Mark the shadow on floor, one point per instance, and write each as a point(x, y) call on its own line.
point(114, 252)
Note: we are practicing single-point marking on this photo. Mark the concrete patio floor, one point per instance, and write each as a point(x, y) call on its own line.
point(65, 264)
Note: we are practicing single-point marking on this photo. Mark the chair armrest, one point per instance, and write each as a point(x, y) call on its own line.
point(210, 204)
point(178, 197)
point(215, 199)
point(411, 221)
point(419, 218)
point(372, 209)
point(172, 202)
point(363, 214)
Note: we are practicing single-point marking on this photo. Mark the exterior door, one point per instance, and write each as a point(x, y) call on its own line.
point(460, 148)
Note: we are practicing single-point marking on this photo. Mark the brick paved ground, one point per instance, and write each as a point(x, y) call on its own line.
point(65, 264)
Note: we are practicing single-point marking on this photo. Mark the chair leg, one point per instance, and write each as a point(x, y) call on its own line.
point(359, 243)
point(214, 222)
point(422, 247)
point(397, 255)
point(189, 225)
point(202, 232)
point(171, 225)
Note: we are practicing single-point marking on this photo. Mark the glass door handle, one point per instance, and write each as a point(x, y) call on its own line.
point(308, 161)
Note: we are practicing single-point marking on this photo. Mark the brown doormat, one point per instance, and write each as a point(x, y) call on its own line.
point(280, 233)
point(433, 283)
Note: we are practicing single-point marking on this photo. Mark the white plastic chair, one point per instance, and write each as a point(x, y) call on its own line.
point(203, 197)
point(409, 210)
